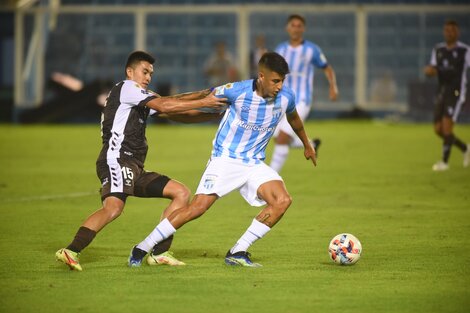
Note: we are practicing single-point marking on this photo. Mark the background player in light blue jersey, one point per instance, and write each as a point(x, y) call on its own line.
point(255, 108)
point(302, 56)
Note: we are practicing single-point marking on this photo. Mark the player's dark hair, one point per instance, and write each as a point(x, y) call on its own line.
point(136, 57)
point(452, 23)
point(274, 62)
point(296, 17)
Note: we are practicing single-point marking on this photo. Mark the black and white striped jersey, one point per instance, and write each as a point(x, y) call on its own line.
point(451, 65)
point(123, 122)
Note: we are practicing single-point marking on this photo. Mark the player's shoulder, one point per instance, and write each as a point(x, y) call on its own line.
point(440, 45)
point(281, 46)
point(463, 45)
point(130, 86)
point(311, 44)
point(287, 92)
point(233, 88)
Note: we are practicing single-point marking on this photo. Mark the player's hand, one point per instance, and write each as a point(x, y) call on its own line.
point(311, 154)
point(215, 102)
point(334, 93)
point(430, 70)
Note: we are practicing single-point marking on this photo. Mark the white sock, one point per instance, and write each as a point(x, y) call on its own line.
point(279, 157)
point(163, 230)
point(256, 231)
point(296, 142)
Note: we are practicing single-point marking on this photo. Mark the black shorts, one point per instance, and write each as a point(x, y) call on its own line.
point(126, 177)
point(448, 104)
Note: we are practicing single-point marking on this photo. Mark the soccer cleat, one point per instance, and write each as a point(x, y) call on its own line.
point(466, 157)
point(133, 260)
point(70, 258)
point(440, 166)
point(240, 258)
point(164, 258)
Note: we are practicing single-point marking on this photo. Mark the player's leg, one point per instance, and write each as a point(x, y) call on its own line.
point(281, 146)
point(462, 146)
point(278, 201)
point(114, 192)
point(449, 113)
point(168, 226)
point(154, 185)
point(263, 187)
point(111, 209)
point(179, 195)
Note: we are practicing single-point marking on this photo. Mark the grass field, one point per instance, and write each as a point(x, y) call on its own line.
point(373, 180)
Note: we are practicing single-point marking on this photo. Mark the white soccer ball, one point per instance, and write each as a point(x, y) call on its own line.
point(345, 249)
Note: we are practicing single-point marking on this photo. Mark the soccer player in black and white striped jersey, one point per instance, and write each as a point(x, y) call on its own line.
point(120, 164)
point(449, 62)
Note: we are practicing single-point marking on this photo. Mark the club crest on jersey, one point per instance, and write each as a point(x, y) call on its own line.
point(245, 108)
point(209, 182)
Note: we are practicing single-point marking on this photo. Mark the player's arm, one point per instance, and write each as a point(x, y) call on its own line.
point(193, 116)
point(331, 77)
point(195, 95)
point(298, 126)
point(173, 105)
point(431, 68)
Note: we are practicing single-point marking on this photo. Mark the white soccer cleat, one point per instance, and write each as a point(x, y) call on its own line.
point(440, 166)
point(466, 157)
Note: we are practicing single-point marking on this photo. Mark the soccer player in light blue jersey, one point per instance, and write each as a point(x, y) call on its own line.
point(237, 161)
point(302, 56)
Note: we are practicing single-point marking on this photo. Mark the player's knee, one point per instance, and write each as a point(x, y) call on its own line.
point(283, 203)
point(113, 211)
point(182, 194)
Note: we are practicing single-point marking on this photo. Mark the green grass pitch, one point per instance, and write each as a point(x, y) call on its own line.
point(373, 180)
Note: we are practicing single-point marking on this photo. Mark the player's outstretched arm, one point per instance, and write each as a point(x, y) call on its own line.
point(298, 127)
point(173, 105)
point(193, 116)
point(193, 95)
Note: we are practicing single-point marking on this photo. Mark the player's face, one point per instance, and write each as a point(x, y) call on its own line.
point(141, 73)
point(271, 83)
point(295, 28)
point(451, 34)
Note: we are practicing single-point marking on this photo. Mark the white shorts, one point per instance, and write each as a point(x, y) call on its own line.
point(303, 110)
point(223, 175)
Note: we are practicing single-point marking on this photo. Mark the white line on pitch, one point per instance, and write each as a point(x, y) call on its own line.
point(54, 197)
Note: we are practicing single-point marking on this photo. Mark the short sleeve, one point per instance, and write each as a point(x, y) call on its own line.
point(225, 91)
point(291, 103)
point(132, 94)
point(467, 57)
point(319, 58)
point(433, 61)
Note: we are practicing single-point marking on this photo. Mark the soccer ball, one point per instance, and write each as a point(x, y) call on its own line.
point(345, 249)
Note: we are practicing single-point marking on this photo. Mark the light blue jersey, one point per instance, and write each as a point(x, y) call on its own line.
point(302, 61)
point(250, 121)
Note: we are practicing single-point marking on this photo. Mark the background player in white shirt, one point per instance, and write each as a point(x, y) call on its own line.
point(255, 108)
point(302, 56)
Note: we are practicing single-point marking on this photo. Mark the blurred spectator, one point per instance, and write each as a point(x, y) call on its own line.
point(384, 88)
point(73, 101)
point(220, 67)
point(256, 53)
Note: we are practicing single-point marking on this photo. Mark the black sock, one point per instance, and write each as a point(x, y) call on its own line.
point(448, 141)
point(163, 246)
point(138, 253)
point(82, 239)
point(460, 144)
